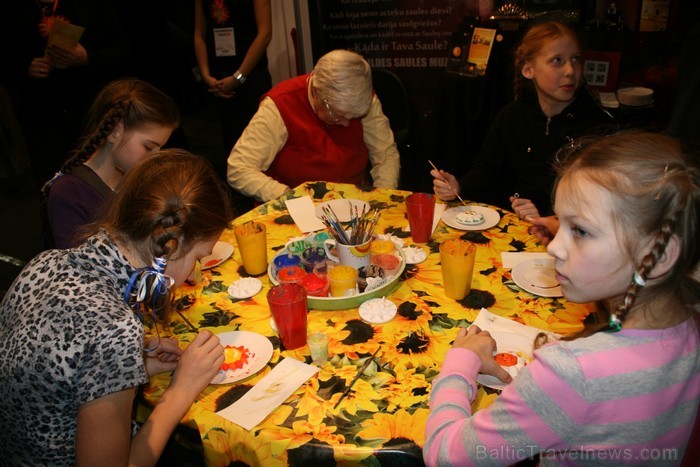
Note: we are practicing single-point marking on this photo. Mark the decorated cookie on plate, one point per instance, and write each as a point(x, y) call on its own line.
point(469, 217)
point(512, 362)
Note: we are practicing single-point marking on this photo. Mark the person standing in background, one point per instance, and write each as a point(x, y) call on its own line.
point(55, 83)
point(230, 43)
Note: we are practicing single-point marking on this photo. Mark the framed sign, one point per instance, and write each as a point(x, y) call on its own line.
point(600, 69)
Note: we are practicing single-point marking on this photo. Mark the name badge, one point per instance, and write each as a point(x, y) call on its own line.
point(224, 42)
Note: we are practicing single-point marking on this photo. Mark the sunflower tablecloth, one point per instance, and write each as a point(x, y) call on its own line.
point(383, 417)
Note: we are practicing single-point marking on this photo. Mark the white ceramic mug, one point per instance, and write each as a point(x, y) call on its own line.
point(356, 256)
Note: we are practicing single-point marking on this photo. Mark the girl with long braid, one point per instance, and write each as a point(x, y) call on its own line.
point(128, 121)
point(73, 351)
point(627, 391)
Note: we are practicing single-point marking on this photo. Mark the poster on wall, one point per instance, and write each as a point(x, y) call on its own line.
point(480, 49)
point(389, 33)
point(412, 38)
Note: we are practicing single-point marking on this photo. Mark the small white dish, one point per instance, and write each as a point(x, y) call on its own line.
point(414, 255)
point(220, 253)
point(378, 311)
point(245, 287)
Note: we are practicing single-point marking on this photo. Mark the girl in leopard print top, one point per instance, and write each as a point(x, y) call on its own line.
point(72, 349)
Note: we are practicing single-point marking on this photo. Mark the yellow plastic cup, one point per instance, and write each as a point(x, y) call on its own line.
point(251, 238)
point(457, 259)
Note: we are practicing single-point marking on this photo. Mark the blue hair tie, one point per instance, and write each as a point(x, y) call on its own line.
point(148, 284)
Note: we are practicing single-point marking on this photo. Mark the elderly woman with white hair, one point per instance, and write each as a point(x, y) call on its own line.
point(326, 125)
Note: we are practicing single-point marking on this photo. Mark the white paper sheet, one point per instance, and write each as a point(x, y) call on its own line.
point(488, 321)
point(511, 258)
point(269, 393)
point(303, 212)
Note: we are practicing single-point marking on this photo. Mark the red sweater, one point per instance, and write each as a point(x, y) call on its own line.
point(315, 150)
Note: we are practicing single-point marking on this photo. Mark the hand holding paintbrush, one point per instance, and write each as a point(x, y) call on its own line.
point(439, 175)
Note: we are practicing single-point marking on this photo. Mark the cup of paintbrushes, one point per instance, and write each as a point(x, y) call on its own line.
point(356, 256)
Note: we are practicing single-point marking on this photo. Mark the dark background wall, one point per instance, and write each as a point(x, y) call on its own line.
point(451, 113)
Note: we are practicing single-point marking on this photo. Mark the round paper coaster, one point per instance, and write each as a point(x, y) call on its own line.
point(378, 311)
point(245, 287)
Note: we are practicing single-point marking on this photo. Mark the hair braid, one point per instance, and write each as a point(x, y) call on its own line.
point(642, 272)
point(97, 138)
point(167, 234)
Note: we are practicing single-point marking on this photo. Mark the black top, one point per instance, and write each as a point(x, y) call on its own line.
point(239, 15)
point(520, 147)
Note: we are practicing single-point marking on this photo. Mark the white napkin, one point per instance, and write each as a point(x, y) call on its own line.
point(303, 212)
point(511, 258)
point(269, 393)
point(488, 321)
point(439, 209)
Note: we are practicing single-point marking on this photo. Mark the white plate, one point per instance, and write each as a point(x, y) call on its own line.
point(537, 277)
point(245, 287)
point(491, 217)
point(507, 342)
point(220, 253)
point(341, 207)
point(259, 353)
point(387, 311)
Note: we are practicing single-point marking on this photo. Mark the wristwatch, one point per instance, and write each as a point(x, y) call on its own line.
point(239, 77)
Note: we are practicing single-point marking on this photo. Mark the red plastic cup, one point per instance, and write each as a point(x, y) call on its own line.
point(288, 306)
point(420, 208)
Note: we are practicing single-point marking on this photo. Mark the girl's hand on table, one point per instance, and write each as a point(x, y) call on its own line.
point(164, 358)
point(445, 185)
point(481, 343)
point(198, 364)
point(524, 208)
point(544, 228)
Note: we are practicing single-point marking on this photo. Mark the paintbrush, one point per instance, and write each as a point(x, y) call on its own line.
point(357, 376)
point(183, 303)
point(447, 183)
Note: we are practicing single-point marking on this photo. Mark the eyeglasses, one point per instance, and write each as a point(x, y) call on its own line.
point(334, 119)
